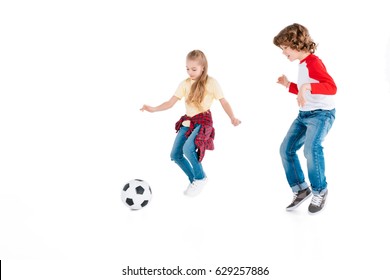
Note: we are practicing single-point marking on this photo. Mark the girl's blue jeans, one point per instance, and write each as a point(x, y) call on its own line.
point(185, 155)
point(309, 130)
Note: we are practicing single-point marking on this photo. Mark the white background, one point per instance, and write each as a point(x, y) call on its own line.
point(73, 75)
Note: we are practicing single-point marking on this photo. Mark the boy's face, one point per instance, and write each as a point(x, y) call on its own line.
point(194, 69)
point(293, 54)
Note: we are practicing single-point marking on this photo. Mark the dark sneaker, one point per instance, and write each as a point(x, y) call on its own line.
point(299, 197)
point(317, 202)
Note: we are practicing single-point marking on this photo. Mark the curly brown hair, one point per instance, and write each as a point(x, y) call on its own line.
point(297, 37)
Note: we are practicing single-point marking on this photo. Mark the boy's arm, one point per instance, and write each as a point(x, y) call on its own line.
point(293, 88)
point(325, 85)
point(164, 106)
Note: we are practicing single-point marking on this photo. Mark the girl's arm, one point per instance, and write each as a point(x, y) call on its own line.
point(229, 111)
point(164, 106)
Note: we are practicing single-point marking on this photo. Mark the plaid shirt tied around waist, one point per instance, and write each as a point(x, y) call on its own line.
point(205, 138)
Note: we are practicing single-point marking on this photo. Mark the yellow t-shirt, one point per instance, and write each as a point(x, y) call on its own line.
point(213, 91)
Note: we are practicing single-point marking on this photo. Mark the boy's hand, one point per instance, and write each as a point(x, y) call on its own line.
point(301, 99)
point(283, 81)
point(301, 94)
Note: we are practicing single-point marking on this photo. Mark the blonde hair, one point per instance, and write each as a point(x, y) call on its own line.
point(297, 37)
point(198, 88)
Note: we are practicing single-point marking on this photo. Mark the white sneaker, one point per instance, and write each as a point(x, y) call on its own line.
point(195, 187)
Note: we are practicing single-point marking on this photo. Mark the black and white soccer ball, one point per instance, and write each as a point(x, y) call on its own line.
point(136, 194)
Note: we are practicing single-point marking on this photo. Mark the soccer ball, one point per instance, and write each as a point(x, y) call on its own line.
point(136, 194)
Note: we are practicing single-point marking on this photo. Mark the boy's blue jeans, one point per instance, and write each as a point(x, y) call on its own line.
point(185, 155)
point(309, 130)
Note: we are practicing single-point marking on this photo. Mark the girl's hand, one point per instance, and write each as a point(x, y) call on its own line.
point(236, 121)
point(164, 106)
point(283, 81)
point(147, 108)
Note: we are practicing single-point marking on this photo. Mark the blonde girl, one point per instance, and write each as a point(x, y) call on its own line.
point(195, 131)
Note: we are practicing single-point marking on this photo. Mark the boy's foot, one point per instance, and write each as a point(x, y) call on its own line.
point(195, 187)
point(318, 202)
point(299, 197)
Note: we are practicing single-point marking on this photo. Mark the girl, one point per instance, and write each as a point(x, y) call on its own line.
point(315, 90)
point(195, 132)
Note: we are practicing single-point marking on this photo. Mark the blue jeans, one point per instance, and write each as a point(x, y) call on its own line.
point(309, 130)
point(185, 155)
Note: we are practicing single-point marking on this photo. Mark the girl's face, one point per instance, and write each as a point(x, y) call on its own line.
point(194, 69)
point(293, 54)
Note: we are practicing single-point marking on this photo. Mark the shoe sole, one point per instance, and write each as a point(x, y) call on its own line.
point(296, 206)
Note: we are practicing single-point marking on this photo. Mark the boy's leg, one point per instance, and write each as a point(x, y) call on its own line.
point(318, 126)
point(292, 142)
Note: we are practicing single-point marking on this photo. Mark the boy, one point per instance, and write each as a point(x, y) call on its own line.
point(315, 90)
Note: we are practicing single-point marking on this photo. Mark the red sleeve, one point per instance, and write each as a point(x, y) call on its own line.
point(293, 88)
point(317, 71)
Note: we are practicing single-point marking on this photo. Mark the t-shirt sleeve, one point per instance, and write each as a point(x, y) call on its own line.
point(181, 90)
point(325, 84)
point(217, 90)
point(293, 88)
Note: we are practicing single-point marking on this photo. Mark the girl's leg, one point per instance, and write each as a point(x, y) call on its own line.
point(191, 154)
point(292, 142)
point(177, 154)
point(318, 125)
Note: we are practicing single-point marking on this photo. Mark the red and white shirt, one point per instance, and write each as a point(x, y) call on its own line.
point(323, 88)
